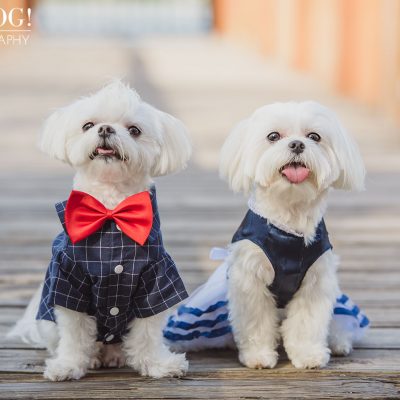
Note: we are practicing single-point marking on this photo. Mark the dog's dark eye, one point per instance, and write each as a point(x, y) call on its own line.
point(314, 136)
point(274, 136)
point(87, 126)
point(134, 131)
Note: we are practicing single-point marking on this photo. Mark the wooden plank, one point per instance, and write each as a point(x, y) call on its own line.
point(32, 220)
point(198, 258)
point(389, 282)
point(203, 187)
point(18, 295)
point(354, 280)
point(222, 223)
point(257, 384)
point(42, 250)
point(380, 338)
point(387, 294)
point(200, 261)
point(376, 338)
point(361, 360)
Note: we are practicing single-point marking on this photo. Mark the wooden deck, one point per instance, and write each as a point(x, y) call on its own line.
point(198, 212)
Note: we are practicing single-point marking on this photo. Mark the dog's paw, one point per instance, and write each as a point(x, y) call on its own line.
point(258, 358)
point(341, 349)
point(174, 365)
point(169, 365)
point(309, 357)
point(95, 363)
point(112, 356)
point(340, 341)
point(62, 370)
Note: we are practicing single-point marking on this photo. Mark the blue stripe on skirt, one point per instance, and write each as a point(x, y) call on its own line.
point(196, 334)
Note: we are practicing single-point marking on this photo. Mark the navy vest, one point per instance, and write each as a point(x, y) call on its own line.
point(288, 254)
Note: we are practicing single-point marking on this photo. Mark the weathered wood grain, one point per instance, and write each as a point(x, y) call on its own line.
point(215, 385)
point(379, 360)
point(377, 338)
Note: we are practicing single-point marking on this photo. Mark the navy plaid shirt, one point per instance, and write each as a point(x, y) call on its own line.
point(111, 277)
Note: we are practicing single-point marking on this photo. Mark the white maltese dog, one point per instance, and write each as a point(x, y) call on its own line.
point(110, 279)
point(288, 156)
point(280, 265)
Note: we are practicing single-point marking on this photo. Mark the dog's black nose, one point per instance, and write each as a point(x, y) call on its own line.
point(106, 131)
point(297, 146)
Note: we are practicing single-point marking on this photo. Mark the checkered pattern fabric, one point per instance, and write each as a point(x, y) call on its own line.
point(111, 277)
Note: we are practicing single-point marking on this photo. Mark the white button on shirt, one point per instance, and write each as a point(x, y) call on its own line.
point(109, 338)
point(118, 269)
point(114, 311)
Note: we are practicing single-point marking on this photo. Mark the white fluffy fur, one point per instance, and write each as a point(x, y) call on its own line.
point(162, 148)
point(252, 164)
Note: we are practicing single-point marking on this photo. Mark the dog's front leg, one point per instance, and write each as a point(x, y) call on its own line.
point(305, 329)
point(146, 352)
point(76, 346)
point(252, 309)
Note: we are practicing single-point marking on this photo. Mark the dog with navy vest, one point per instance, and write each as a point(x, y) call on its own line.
point(110, 280)
point(278, 280)
point(287, 156)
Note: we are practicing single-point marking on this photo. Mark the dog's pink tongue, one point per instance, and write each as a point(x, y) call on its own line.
point(104, 151)
point(296, 174)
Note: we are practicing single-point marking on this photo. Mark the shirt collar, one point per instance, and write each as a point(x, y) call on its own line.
point(252, 206)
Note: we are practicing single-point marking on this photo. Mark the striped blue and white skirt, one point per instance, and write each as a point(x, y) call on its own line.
point(202, 321)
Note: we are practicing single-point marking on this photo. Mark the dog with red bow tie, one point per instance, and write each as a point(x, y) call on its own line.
point(110, 280)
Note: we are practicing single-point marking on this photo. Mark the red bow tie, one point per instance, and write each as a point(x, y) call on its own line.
point(85, 215)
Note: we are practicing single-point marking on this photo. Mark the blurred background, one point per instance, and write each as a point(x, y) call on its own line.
point(210, 63)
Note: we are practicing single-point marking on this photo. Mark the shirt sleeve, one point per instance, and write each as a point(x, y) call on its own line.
point(160, 287)
point(67, 285)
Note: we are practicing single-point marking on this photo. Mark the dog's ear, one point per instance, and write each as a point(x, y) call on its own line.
point(175, 145)
point(232, 161)
point(352, 170)
point(53, 135)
